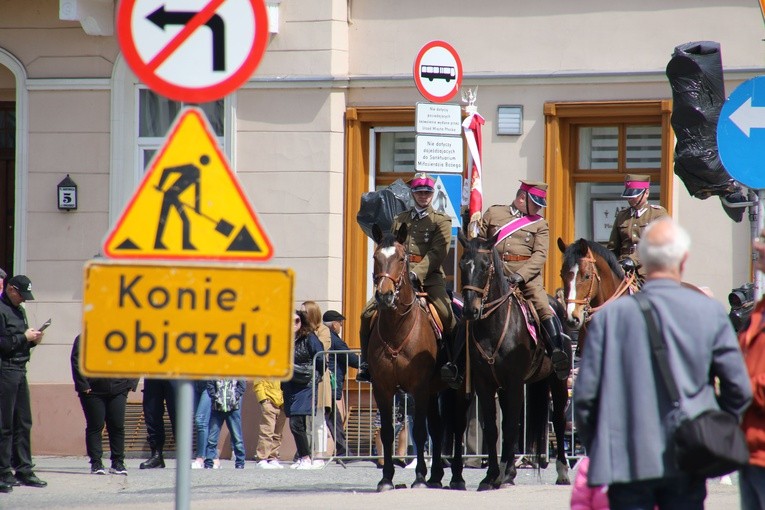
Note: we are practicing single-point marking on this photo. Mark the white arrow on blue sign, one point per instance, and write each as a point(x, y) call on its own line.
point(741, 133)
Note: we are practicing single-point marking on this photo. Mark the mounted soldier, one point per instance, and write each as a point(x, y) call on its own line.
point(630, 223)
point(427, 244)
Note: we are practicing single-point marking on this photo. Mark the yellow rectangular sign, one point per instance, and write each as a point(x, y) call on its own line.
point(187, 321)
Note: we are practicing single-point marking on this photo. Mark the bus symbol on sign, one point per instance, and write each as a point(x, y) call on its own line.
point(431, 73)
point(437, 72)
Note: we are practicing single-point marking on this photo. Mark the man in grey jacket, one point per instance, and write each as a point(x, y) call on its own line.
point(620, 400)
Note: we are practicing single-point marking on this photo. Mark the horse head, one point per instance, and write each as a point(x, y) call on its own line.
point(588, 273)
point(391, 266)
point(479, 267)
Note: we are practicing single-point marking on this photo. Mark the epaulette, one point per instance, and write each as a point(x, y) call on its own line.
point(654, 206)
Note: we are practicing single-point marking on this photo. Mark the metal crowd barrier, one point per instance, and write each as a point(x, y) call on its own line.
point(356, 419)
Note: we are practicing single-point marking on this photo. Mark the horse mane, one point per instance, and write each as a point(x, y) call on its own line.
point(575, 251)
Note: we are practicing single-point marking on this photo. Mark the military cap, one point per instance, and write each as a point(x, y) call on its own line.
point(422, 182)
point(635, 184)
point(537, 192)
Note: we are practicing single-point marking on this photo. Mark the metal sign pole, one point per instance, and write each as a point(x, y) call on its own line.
point(759, 221)
point(184, 396)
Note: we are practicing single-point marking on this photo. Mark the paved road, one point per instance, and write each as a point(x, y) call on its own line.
point(71, 486)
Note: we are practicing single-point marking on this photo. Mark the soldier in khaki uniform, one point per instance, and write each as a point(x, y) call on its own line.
point(523, 238)
point(428, 237)
point(630, 223)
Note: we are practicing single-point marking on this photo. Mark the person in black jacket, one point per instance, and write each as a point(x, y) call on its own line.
point(16, 342)
point(103, 402)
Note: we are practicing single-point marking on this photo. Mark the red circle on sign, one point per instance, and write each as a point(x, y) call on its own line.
point(443, 72)
point(147, 71)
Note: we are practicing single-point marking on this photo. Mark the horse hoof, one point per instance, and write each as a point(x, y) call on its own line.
point(458, 486)
point(419, 485)
point(434, 484)
point(505, 485)
point(385, 485)
point(562, 481)
point(485, 486)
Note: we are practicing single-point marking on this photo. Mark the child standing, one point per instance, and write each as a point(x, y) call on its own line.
point(271, 399)
point(226, 396)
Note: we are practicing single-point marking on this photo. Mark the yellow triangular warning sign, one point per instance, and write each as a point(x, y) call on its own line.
point(189, 205)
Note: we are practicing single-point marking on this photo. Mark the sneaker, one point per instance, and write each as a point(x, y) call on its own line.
point(97, 469)
point(118, 468)
point(216, 464)
point(305, 463)
point(239, 466)
point(198, 464)
point(263, 464)
point(317, 464)
point(275, 464)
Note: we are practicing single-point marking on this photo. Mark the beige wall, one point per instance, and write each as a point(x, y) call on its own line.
point(289, 143)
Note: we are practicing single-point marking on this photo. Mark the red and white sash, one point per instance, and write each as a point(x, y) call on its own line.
point(515, 225)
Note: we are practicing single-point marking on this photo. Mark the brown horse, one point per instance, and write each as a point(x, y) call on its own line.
point(402, 354)
point(504, 358)
point(591, 277)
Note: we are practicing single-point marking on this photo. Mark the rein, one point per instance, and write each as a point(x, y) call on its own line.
point(486, 310)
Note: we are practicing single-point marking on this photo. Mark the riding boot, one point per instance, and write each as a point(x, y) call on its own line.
point(560, 360)
point(155, 461)
point(363, 373)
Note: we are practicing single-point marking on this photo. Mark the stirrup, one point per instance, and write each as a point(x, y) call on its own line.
point(561, 364)
point(450, 375)
point(363, 375)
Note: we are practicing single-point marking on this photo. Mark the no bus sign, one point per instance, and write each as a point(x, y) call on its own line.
point(438, 71)
point(195, 50)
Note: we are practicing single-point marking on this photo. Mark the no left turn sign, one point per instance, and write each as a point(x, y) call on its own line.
point(438, 71)
point(193, 50)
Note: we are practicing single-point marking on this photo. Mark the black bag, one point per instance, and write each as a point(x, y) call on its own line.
point(301, 374)
point(711, 444)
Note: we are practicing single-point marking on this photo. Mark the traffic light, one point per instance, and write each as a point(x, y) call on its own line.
point(696, 75)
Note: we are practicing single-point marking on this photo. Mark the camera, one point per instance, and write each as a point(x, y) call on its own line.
point(741, 300)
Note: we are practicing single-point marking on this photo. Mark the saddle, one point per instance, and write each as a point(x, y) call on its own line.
point(430, 309)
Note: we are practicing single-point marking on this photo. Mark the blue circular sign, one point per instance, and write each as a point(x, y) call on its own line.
point(741, 133)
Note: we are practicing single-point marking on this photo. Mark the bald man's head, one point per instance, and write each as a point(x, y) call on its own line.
point(664, 246)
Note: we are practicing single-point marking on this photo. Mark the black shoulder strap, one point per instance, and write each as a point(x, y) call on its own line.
point(658, 347)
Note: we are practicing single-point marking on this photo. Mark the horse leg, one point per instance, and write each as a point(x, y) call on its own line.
point(511, 401)
point(559, 391)
point(436, 433)
point(489, 412)
point(385, 406)
point(420, 436)
point(455, 410)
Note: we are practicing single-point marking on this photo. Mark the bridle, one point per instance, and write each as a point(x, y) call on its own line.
point(490, 307)
point(377, 278)
point(594, 274)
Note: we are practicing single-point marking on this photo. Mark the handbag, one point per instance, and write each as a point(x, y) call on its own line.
point(711, 444)
point(301, 374)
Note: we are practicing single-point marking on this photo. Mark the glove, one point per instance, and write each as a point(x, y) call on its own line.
point(628, 265)
point(516, 279)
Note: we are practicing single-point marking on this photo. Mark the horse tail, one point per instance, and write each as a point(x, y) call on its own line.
point(537, 409)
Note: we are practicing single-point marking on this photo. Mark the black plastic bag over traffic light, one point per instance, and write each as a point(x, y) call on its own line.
point(698, 92)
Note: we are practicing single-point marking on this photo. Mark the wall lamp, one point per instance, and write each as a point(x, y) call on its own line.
point(67, 194)
point(510, 120)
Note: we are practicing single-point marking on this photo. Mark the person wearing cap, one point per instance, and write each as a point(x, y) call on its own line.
point(523, 238)
point(630, 223)
point(16, 342)
point(339, 361)
point(427, 243)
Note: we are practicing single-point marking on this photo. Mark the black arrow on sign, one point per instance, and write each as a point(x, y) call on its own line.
point(162, 18)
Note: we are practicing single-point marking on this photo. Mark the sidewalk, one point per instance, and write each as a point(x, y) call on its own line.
point(71, 486)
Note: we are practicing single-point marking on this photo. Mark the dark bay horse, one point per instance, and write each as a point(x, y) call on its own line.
point(504, 358)
point(591, 277)
point(402, 354)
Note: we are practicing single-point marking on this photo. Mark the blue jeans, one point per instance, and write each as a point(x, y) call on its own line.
point(751, 480)
point(233, 421)
point(202, 404)
point(677, 493)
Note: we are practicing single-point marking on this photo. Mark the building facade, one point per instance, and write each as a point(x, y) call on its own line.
point(328, 115)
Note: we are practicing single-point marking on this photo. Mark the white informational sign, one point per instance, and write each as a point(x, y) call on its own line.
point(438, 119)
point(439, 154)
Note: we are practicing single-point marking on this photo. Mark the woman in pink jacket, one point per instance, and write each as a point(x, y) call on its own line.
point(584, 497)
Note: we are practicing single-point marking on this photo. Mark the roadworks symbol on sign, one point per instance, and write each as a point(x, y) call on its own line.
point(189, 205)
